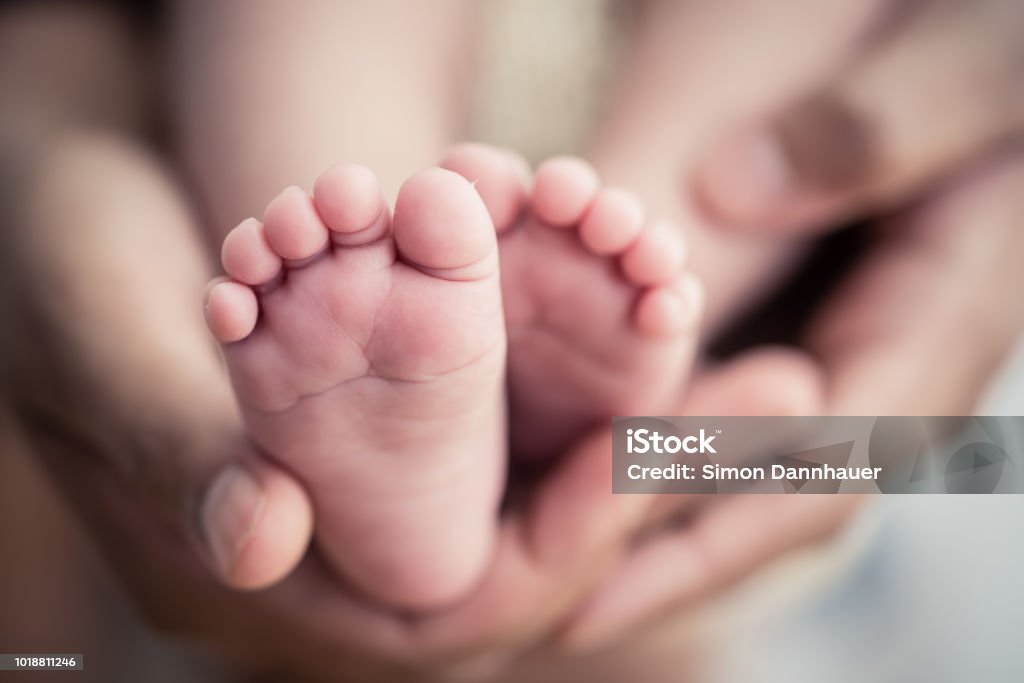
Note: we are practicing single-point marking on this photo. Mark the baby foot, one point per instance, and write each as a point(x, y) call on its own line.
point(601, 315)
point(367, 355)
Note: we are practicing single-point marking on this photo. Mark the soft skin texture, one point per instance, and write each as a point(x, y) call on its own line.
point(600, 310)
point(372, 366)
point(135, 442)
point(129, 458)
point(370, 359)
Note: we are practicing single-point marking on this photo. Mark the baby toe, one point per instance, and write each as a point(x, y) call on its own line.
point(656, 257)
point(231, 311)
point(247, 255)
point(612, 223)
point(293, 226)
point(669, 310)
point(349, 199)
point(563, 188)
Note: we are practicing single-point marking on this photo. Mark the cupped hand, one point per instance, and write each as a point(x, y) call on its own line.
point(919, 122)
point(919, 118)
point(919, 330)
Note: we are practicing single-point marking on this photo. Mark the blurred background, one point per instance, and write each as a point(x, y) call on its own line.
point(921, 588)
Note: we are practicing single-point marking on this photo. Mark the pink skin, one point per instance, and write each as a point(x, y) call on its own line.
point(352, 344)
point(368, 355)
point(600, 311)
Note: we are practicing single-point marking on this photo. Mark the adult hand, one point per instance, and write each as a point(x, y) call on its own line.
point(925, 89)
point(696, 546)
point(918, 330)
point(922, 115)
point(911, 116)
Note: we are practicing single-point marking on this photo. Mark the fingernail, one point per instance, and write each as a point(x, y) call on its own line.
point(230, 514)
point(745, 178)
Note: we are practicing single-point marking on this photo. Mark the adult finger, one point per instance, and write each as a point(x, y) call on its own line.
point(916, 106)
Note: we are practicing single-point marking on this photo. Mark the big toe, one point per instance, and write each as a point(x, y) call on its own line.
point(442, 227)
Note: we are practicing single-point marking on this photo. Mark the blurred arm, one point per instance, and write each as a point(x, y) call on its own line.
point(104, 355)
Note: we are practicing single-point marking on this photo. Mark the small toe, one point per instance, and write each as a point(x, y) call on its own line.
point(231, 311)
point(247, 255)
point(657, 256)
point(671, 309)
point(500, 177)
point(563, 189)
point(442, 227)
point(293, 226)
point(612, 223)
point(349, 200)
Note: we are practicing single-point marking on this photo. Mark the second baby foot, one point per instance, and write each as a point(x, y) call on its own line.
point(600, 312)
point(368, 356)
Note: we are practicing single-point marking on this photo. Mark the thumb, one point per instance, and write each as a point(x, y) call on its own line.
point(923, 102)
point(253, 522)
point(116, 375)
point(247, 519)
